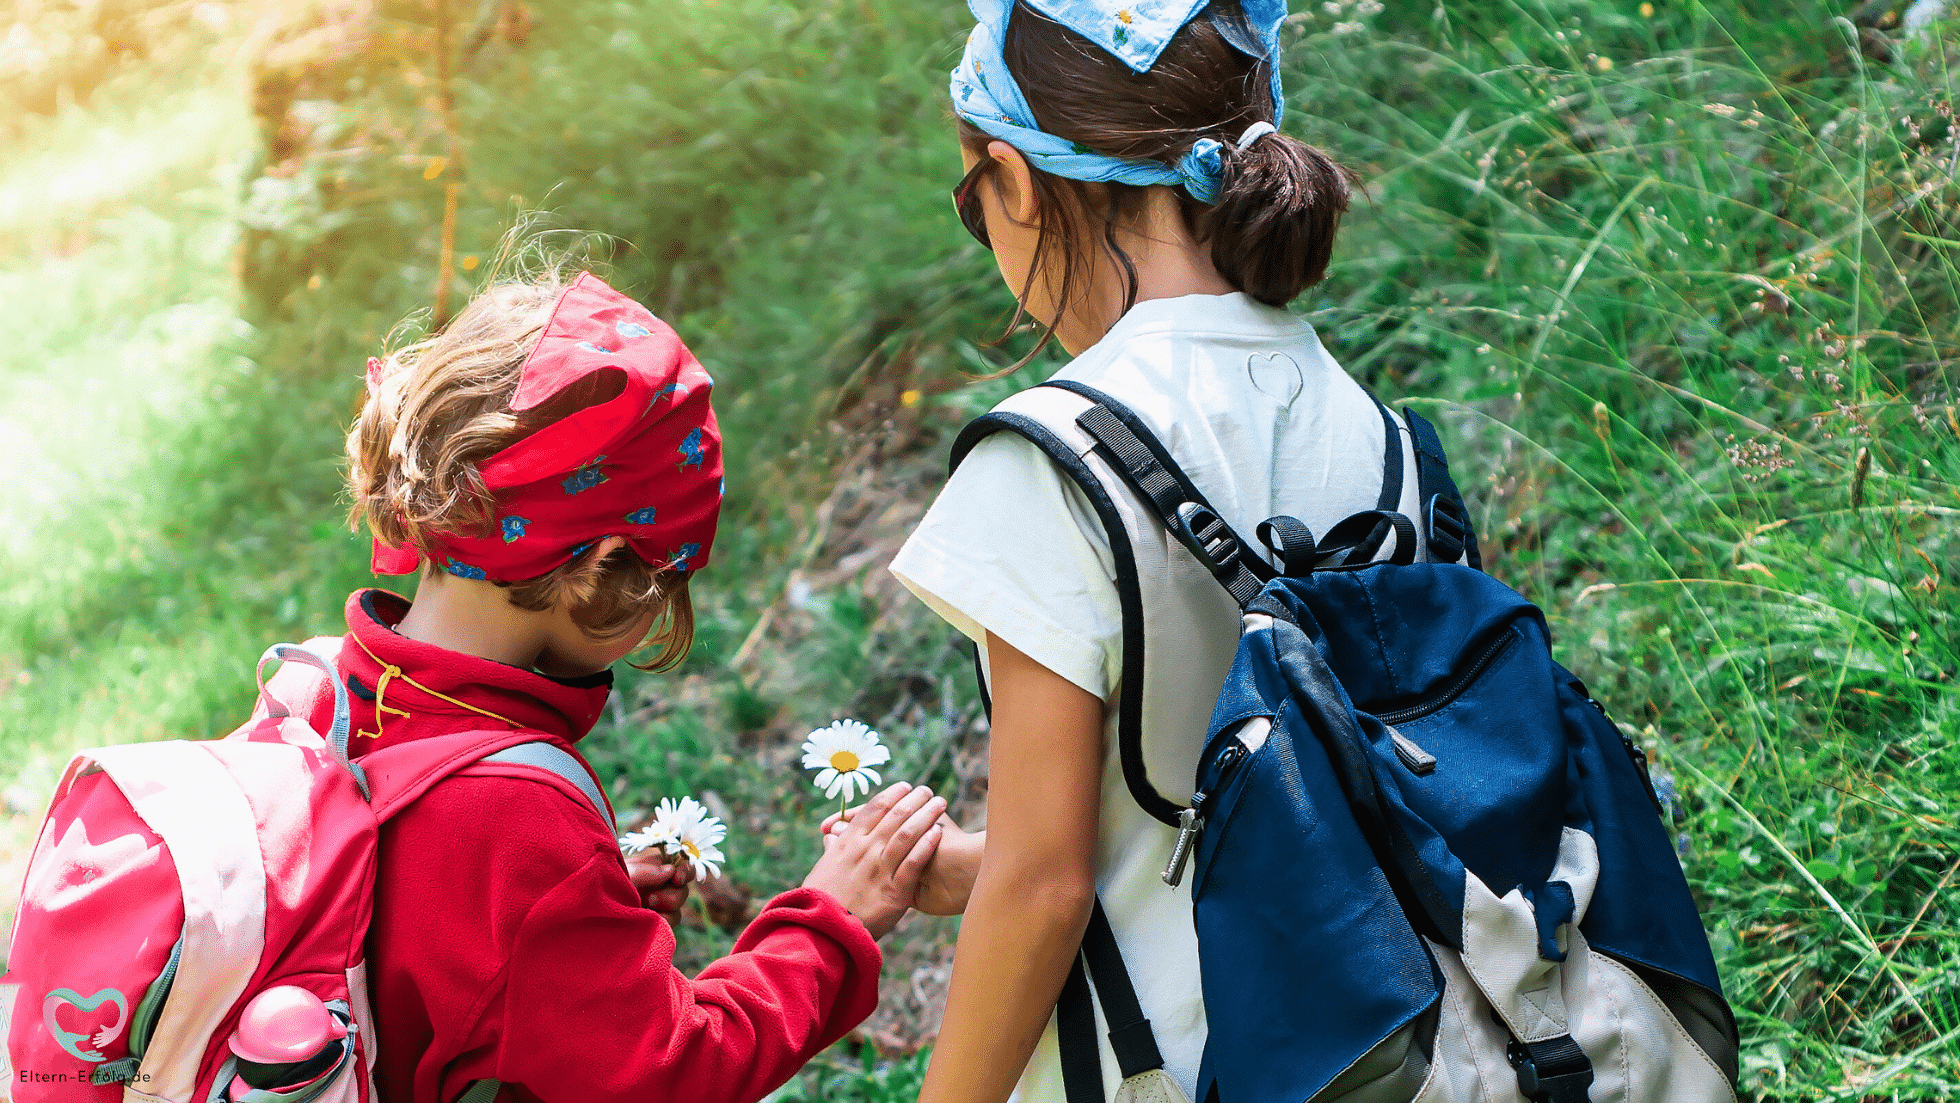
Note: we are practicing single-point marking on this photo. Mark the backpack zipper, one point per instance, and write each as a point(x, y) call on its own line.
point(1420, 762)
point(1634, 753)
point(1191, 822)
point(1489, 655)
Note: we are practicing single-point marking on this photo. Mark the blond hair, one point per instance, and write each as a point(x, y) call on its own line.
point(440, 409)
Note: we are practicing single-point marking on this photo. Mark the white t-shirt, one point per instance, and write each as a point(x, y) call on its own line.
point(1264, 422)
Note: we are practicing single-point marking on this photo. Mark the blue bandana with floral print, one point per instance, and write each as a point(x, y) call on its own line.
point(1135, 31)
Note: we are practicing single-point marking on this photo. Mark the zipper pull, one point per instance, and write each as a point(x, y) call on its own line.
point(1420, 762)
point(1189, 824)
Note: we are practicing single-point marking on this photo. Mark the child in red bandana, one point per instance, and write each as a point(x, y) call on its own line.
point(551, 462)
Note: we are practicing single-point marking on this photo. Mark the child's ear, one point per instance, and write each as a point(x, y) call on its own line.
point(1014, 184)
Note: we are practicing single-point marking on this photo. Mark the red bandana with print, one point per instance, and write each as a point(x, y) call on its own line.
point(645, 465)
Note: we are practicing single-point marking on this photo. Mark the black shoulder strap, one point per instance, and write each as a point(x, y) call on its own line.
point(1075, 1038)
point(1181, 508)
point(1444, 515)
point(1146, 465)
point(1390, 498)
point(1129, 711)
point(1130, 447)
point(1075, 1013)
point(1075, 1017)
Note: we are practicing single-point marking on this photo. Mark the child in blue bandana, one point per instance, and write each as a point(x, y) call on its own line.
point(1126, 170)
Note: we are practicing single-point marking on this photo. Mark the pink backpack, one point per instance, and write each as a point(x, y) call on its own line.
point(194, 914)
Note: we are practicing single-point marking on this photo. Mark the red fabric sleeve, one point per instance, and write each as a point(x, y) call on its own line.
point(551, 975)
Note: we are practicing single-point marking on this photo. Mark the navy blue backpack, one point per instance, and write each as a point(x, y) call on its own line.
point(1425, 865)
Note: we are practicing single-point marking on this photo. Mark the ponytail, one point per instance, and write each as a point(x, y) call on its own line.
point(1279, 202)
point(1272, 228)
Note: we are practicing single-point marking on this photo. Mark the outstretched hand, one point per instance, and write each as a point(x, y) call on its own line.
point(947, 881)
point(662, 885)
point(872, 866)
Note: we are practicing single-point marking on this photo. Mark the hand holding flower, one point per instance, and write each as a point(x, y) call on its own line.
point(948, 879)
point(872, 866)
point(663, 882)
point(666, 856)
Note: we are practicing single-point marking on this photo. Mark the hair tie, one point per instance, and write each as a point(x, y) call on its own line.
point(1253, 133)
point(1203, 170)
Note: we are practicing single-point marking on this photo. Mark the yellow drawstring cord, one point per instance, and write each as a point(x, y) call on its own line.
point(389, 672)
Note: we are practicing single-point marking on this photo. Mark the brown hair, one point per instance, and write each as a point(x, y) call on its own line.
point(441, 409)
point(1271, 231)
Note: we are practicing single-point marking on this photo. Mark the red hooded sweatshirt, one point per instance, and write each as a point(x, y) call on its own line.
point(507, 940)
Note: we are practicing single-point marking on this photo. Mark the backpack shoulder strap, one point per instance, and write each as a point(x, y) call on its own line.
point(1299, 542)
point(555, 759)
point(1129, 713)
point(1135, 452)
point(321, 659)
point(1132, 450)
point(1075, 1016)
point(1444, 516)
point(1129, 1032)
point(1391, 495)
point(404, 772)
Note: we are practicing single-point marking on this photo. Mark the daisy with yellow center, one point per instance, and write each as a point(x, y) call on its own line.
point(844, 754)
point(685, 832)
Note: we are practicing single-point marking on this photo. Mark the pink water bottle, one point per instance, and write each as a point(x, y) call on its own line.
point(285, 1039)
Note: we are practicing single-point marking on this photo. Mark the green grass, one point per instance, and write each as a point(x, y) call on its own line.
point(1680, 285)
point(1693, 304)
point(118, 230)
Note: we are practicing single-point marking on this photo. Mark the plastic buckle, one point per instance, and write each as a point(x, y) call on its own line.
point(1448, 529)
point(1204, 532)
point(1561, 1080)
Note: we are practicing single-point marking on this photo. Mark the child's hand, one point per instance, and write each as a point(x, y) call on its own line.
point(872, 866)
point(948, 879)
point(663, 887)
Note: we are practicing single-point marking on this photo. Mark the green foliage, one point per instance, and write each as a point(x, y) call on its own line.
point(56, 53)
point(835, 1078)
point(152, 542)
point(1689, 282)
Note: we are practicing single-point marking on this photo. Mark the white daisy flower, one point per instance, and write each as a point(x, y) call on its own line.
point(844, 752)
point(646, 839)
point(684, 831)
point(695, 835)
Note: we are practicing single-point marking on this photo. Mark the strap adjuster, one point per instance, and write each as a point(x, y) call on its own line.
point(1209, 538)
point(1449, 528)
point(1552, 1071)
